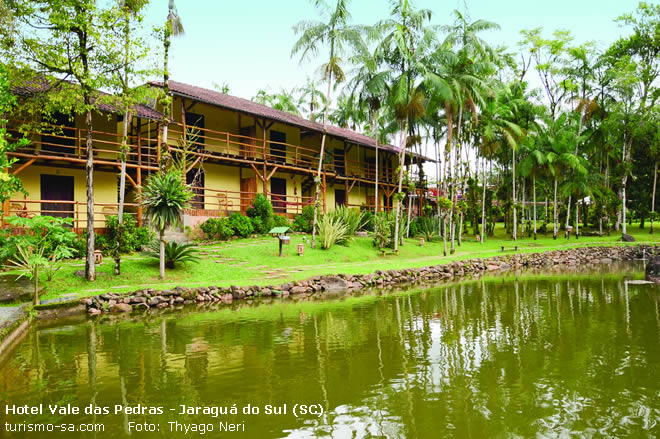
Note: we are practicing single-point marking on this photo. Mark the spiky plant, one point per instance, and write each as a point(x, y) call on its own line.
point(175, 253)
point(164, 197)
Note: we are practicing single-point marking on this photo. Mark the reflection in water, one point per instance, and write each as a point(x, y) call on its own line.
point(506, 357)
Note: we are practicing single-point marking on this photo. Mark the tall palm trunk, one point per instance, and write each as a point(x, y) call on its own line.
point(555, 220)
point(90, 268)
point(655, 182)
point(483, 203)
point(166, 89)
point(375, 122)
point(322, 153)
point(162, 253)
point(577, 219)
point(534, 196)
point(522, 209)
point(568, 213)
point(402, 161)
point(513, 183)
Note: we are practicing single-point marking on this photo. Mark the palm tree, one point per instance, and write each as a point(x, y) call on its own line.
point(369, 85)
point(164, 198)
point(498, 129)
point(130, 8)
point(310, 93)
point(173, 28)
point(336, 33)
point(409, 51)
point(531, 166)
point(473, 62)
point(348, 113)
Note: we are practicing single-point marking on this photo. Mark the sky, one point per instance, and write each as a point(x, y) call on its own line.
point(246, 44)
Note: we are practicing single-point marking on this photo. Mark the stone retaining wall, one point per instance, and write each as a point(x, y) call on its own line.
point(150, 298)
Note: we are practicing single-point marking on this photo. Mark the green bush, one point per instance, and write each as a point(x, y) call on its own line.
point(241, 225)
point(217, 228)
point(281, 221)
point(303, 222)
point(134, 238)
point(384, 230)
point(368, 220)
point(428, 227)
point(263, 210)
point(175, 253)
point(332, 230)
point(352, 218)
point(46, 232)
point(258, 225)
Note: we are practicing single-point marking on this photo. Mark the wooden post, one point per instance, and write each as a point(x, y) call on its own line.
point(325, 205)
point(265, 183)
point(6, 211)
point(78, 141)
point(139, 190)
point(158, 145)
point(346, 151)
point(139, 141)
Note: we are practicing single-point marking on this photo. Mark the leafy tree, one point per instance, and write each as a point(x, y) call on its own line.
point(9, 183)
point(337, 34)
point(70, 40)
point(134, 51)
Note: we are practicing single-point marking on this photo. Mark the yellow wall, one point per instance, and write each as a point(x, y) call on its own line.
point(105, 190)
point(222, 178)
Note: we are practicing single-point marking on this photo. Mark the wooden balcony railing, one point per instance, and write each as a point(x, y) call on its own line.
point(216, 202)
point(68, 143)
point(75, 210)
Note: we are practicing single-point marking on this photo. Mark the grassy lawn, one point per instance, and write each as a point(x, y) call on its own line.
point(256, 262)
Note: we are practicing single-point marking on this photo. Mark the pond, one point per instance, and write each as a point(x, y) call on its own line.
point(536, 355)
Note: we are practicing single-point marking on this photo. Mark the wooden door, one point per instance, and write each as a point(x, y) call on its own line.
point(248, 193)
point(57, 188)
point(249, 141)
point(278, 194)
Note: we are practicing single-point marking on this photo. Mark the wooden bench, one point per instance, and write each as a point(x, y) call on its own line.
point(384, 252)
point(514, 248)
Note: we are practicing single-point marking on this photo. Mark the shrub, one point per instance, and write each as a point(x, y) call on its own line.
point(384, 230)
point(46, 232)
point(303, 222)
point(217, 228)
point(428, 227)
point(258, 225)
point(368, 220)
point(281, 221)
point(134, 238)
point(352, 218)
point(195, 233)
point(263, 210)
point(241, 225)
point(175, 253)
point(332, 230)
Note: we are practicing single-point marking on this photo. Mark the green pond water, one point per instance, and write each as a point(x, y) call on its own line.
point(534, 356)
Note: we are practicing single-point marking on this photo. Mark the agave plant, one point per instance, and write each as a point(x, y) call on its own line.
point(428, 227)
point(352, 218)
point(332, 230)
point(175, 253)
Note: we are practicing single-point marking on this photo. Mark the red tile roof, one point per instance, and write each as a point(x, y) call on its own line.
point(34, 86)
point(246, 106)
